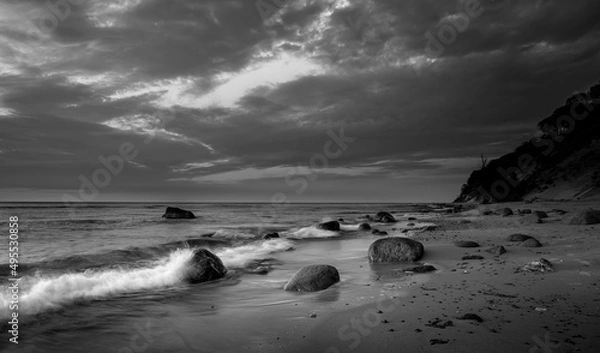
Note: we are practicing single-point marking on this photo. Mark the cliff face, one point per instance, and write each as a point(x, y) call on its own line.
point(562, 162)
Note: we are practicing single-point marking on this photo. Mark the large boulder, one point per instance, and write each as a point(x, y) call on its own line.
point(585, 217)
point(204, 266)
point(396, 250)
point(333, 226)
point(174, 213)
point(313, 278)
point(385, 217)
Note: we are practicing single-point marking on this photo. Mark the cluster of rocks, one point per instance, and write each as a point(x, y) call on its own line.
point(536, 216)
point(205, 266)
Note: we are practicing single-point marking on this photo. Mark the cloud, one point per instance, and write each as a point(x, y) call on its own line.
point(279, 172)
point(209, 92)
point(188, 167)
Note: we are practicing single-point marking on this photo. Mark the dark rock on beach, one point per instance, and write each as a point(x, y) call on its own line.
point(505, 212)
point(473, 257)
point(204, 266)
point(496, 250)
point(435, 341)
point(524, 211)
point(531, 243)
point(313, 278)
point(585, 217)
point(541, 265)
point(518, 237)
point(439, 323)
point(333, 226)
point(379, 232)
point(420, 269)
point(470, 317)
point(540, 214)
point(396, 250)
point(364, 226)
point(385, 217)
point(466, 244)
point(531, 218)
point(271, 236)
point(175, 213)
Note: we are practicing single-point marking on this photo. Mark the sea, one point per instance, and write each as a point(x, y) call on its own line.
point(107, 277)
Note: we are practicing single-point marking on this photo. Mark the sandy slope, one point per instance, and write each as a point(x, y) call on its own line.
point(522, 312)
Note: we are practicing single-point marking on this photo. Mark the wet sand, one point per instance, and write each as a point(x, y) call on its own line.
point(557, 311)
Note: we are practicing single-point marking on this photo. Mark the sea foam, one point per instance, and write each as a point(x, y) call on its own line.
point(50, 292)
point(309, 233)
point(242, 256)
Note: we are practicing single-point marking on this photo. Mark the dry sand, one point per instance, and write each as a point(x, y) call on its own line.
point(557, 311)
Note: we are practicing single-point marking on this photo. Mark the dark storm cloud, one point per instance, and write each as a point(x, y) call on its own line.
point(236, 98)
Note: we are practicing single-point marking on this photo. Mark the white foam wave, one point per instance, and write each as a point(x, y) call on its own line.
point(224, 234)
point(308, 233)
point(43, 293)
point(349, 226)
point(241, 256)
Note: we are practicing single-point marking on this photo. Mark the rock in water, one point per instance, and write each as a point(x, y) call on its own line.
point(333, 226)
point(518, 237)
point(364, 226)
point(204, 266)
point(174, 212)
point(271, 236)
point(384, 217)
point(496, 250)
point(379, 232)
point(396, 250)
point(541, 265)
point(585, 217)
point(531, 243)
point(313, 278)
point(466, 244)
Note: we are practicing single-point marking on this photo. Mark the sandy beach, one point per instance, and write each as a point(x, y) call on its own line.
point(555, 311)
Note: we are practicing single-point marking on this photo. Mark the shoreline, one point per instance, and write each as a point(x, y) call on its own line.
point(521, 311)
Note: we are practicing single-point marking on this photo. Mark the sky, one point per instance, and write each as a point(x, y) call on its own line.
point(274, 100)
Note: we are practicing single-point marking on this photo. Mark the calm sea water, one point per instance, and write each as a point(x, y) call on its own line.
point(105, 277)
